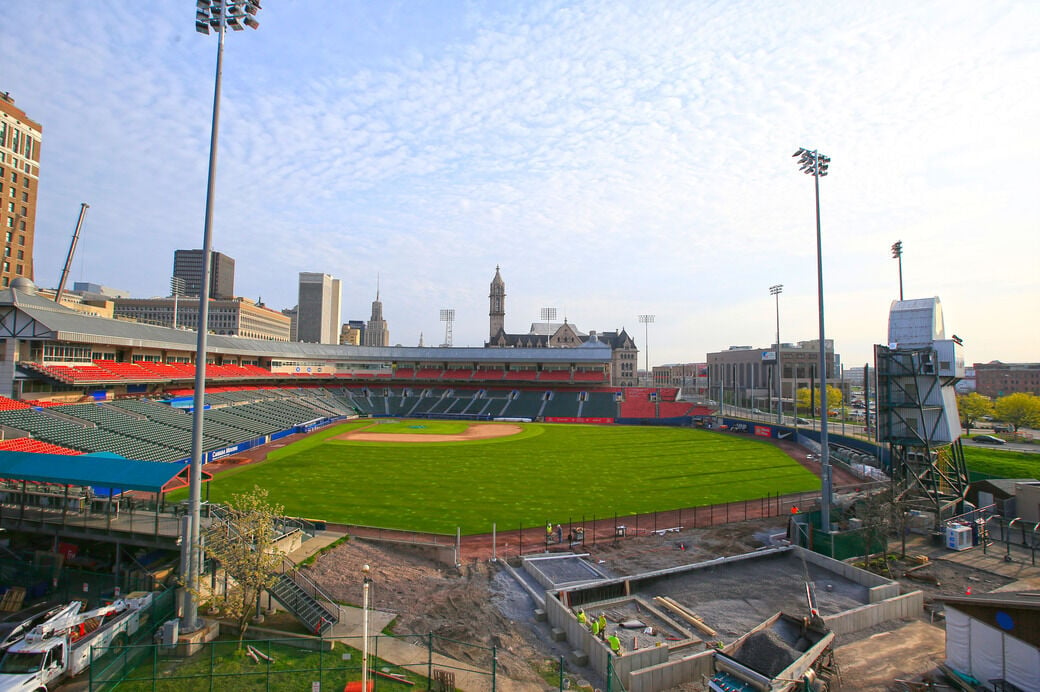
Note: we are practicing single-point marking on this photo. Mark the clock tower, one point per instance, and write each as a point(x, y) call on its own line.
point(498, 304)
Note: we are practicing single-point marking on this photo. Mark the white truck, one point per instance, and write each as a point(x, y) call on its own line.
point(63, 645)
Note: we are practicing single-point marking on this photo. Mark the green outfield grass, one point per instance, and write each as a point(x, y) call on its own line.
point(556, 473)
point(1002, 464)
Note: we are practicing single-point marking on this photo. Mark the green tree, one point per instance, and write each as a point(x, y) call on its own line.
point(972, 407)
point(833, 398)
point(244, 547)
point(1019, 409)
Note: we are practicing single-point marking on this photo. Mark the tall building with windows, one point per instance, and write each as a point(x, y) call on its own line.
point(318, 310)
point(376, 331)
point(187, 265)
point(19, 180)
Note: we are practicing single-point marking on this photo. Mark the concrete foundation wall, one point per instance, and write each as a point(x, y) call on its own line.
point(878, 588)
point(907, 606)
point(670, 674)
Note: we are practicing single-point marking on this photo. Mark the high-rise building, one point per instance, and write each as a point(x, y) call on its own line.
point(377, 333)
point(318, 311)
point(187, 265)
point(19, 180)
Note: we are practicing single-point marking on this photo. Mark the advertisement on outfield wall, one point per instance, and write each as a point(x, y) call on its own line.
point(564, 419)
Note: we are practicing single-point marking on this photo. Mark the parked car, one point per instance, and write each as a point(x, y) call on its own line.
point(988, 440)
point(1002, 427)
point(800, 421)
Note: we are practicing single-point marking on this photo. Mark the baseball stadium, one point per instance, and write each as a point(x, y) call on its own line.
point(463, 455)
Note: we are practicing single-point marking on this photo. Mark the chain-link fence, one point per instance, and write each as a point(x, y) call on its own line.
point(426, 661)
point(45, 579)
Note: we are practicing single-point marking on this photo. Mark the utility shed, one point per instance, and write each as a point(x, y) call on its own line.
point(995, 638)
point(996, 491)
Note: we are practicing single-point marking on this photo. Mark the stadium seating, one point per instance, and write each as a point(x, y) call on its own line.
point(521, 375)
point(638, 406)
point(11, 405)
point(28, 444)
point(599, 405)
point(563, 404)
point(555, 376)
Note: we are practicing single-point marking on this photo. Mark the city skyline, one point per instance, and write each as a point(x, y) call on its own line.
point(615, 159)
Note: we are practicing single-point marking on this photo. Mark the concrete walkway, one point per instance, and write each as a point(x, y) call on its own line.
point(1019, 567)
point(311, 546)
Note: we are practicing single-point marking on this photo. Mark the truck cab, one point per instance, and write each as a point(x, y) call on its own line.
point(37, 665)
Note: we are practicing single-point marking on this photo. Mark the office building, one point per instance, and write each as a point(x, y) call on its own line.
point(996, 379)
point(187, 265)
point(19, 180)
point(238, 317)
point(352, 333)
point(744, 375)
point(318, 310)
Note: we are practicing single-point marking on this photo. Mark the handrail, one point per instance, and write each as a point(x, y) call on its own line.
point(291, 569)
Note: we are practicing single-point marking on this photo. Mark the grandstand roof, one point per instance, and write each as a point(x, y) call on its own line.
point(100, 470)
point(57, 322)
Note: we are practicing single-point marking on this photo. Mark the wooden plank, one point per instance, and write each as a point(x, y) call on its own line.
point(686, 615)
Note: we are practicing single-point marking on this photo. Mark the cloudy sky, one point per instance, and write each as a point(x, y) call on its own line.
point(615, 158)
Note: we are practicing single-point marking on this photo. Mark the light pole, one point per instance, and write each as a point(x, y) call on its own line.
point(776, 291)
point(897, 254)
point(646, 321)
point(177, 290)
point(364, 627)
point(814, 163)
point(217, 15)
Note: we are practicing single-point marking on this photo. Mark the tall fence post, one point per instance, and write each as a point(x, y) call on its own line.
point(494, 542)
point(561, 673)
point(429, 661)
point(494, 666)
point(521, 539)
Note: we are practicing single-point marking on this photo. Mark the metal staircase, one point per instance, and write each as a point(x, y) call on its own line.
point(292, 589)
point(304, 599)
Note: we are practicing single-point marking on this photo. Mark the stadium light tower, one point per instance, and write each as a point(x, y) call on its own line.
point(812, 162)
point(776, 291)
point(176, 290)
point(448, 318)
point(646, 321)
point(217, 15)
point(548, 316)
point(897, 254)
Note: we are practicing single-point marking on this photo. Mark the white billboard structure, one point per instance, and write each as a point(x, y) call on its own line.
point(917, 408)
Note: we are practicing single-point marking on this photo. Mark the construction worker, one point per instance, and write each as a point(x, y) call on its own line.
point(548, 532)
point(602, 624)
point(615, 643)
point(582, 620)
point(559, 534)
point(595, 628)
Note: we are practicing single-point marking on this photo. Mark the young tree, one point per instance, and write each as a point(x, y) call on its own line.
point(1019, 409)
point(244, 547)
point(805, 398)
point(973, 407)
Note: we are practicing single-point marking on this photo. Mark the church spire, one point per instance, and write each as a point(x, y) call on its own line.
point(497, 299)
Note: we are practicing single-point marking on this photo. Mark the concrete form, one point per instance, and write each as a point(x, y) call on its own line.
point(729, 595)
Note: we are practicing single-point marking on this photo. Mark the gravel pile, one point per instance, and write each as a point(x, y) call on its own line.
point(767, 653)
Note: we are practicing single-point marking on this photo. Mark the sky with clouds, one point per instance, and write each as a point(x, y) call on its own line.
point(614, 158)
